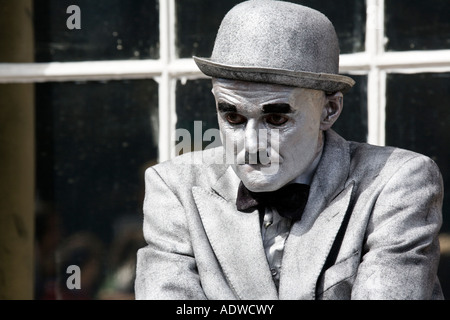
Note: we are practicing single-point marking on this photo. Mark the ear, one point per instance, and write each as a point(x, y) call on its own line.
point(331, 110)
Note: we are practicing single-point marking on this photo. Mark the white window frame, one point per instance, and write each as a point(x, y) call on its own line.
point(374, 62)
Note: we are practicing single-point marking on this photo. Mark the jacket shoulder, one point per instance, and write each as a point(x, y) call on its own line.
point(193, 168)
point(370, 160)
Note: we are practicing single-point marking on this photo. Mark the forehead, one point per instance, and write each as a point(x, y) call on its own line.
point(234, 91)
point(249, 90)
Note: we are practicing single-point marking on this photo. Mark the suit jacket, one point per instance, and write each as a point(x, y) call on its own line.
point(369, 231)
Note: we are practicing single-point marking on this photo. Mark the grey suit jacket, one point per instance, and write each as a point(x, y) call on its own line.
point(369, 231)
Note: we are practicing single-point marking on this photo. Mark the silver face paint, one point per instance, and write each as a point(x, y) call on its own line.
point(279, 121)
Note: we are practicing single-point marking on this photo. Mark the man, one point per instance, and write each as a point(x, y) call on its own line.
point(365, 219)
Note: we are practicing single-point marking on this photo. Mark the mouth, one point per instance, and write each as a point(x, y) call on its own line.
point(258, 160)
point(255, 166)
point(269, 169)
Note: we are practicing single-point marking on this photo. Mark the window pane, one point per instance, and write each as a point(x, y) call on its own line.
point(197, 24)
point(199, 20)
point(348, 18)
point(110, 30)
point(352, 123)
point(93, 143)
point(417, 25)
point(195, 108)
point(417, 119)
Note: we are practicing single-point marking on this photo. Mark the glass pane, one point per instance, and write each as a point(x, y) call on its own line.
point(348, 18)
point(93, 143)
point(197, 24)
point(199, 20)
point(352, 123)
point(418, 119)
point(417, 25)
point(196, 112)
point(110, 30)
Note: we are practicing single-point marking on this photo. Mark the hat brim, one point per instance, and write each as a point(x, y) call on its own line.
point(319, 81)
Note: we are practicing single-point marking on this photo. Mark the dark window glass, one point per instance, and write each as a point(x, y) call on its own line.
point(199, 20)
point(352, 123)
point(417, 119)
point(417, 25)
point(110, 30)
point(196, 111)
point(348, 18)
point(93, 142)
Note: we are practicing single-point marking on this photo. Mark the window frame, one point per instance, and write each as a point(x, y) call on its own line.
point(374, 62)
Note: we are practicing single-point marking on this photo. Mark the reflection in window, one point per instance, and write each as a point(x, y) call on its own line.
point(110, 30)
point(93, 143)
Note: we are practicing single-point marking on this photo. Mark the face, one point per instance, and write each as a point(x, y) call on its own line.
point(273, 133)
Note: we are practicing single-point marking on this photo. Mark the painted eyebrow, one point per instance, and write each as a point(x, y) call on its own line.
point(277, 108)
point(226, 107)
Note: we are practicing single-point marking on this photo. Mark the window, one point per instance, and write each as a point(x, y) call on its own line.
point(110, 30)
point(109, 96)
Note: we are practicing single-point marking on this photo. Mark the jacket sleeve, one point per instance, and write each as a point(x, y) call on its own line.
point(166, 267)
point(401, 251)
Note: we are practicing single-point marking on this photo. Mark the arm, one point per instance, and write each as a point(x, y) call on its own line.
point(166, 267)
point(401, 251)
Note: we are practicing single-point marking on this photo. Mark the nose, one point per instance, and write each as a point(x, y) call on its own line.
point(251, 137)
point(255, 143)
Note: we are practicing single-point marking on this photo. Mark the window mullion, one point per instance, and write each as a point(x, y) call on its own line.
point(165, 92)
point(375, 48)
point(73, 71)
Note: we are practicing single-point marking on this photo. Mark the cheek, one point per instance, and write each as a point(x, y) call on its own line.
point(299, 145)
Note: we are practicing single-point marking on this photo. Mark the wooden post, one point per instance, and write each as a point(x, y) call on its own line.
point(16, 156)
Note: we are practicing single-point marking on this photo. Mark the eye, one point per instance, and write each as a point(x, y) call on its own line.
point(235, 118)
point(276, 119)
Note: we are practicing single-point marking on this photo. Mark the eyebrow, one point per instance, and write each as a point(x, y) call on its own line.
point(277, 108)
point(268, 108)
point(226, 107)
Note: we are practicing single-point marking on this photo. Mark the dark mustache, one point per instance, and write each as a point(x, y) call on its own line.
point(260, 157)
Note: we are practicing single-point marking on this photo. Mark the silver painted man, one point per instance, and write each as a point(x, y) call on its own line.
point(368, 224)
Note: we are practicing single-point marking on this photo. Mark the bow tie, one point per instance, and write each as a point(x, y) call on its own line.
point(290, 200)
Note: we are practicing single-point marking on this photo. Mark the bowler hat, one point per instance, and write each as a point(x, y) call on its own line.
point(277, 42)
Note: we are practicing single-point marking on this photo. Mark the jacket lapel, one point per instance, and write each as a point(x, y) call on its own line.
point(311, 239)
point(236, 239)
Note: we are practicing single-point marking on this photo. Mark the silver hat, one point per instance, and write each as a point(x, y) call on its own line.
point(277, 42)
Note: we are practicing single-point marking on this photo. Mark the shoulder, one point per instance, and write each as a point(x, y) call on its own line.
point(372, 161)
point(193, 168)
point(385, 155)
point(368, 161)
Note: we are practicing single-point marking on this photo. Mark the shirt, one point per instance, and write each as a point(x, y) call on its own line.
point(274, 230)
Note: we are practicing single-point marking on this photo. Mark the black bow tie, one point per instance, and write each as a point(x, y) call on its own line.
point(290, 200)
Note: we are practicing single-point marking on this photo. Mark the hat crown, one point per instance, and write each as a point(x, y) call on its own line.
point(279, 35)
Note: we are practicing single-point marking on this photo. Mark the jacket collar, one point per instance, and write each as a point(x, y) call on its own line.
point(236, 239)
point(311, 239)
